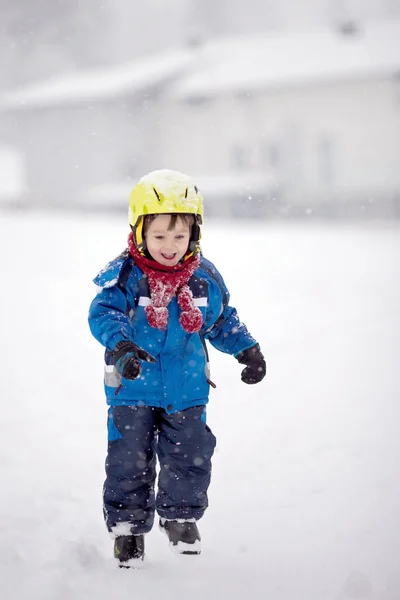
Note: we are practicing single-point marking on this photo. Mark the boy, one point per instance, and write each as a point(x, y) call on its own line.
point(158, 303)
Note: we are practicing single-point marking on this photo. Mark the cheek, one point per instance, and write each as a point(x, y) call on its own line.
point(151, 245)
point(184, 244)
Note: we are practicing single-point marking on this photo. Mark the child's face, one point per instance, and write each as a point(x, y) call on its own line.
point(167, 247)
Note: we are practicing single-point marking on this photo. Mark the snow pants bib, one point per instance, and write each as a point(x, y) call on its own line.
point(184, 445)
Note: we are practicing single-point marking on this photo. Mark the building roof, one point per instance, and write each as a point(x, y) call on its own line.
point(98, 84)
point(240, 65)
point(275, 60)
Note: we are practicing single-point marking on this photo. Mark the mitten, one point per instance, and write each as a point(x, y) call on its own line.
point(256, 367)
point(127, 357)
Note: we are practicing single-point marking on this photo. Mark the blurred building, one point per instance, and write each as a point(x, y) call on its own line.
point(274, 124)
point(81, 130)
point(316, 114)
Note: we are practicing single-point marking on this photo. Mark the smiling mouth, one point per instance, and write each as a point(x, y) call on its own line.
point(168, 256)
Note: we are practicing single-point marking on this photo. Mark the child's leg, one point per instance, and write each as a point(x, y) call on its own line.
point(130, 469)
point(185, 447)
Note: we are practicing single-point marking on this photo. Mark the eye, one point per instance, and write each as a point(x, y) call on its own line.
point(159, 237)
point(180, 236)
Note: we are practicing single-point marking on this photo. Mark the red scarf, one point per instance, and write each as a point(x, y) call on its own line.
point(165, 282)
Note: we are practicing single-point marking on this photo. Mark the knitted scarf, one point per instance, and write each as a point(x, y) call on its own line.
point(165, 282)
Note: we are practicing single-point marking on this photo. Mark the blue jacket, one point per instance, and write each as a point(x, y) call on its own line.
point(179, 377)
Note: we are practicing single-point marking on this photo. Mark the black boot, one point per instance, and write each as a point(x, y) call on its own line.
point(127, 548)
point(184, 536)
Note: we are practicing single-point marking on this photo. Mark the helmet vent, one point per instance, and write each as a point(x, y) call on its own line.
point(195, 189)
point(186, 193)
point(156, 193)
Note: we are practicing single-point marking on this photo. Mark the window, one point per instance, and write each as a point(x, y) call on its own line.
point(326, 161)
point(272, 154)
point(238, 157)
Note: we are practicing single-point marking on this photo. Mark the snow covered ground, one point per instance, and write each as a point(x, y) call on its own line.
point(306, 490)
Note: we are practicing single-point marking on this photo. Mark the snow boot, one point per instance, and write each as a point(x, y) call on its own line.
point(129, 550)
point(183, 535)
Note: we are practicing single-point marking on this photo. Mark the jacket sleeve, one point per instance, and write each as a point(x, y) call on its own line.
point(224, 330)
point(108, 314)
point(108, 320)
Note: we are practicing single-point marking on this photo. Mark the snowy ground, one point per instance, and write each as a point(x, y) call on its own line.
point(306, 490)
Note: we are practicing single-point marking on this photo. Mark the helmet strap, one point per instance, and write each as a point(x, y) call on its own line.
point(140, 242)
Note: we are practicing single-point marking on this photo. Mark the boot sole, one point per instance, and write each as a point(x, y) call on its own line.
point(135, 560)
point(132, 563)
point(182, 547)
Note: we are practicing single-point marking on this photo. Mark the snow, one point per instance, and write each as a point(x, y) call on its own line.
point(249, 63)
point(167, 179)
point(98, 84)
point(304, 501)
point(170, 183)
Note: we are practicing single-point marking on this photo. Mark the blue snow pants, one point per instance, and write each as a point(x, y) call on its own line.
point(184, 445)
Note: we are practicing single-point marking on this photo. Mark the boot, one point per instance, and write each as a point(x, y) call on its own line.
point(184, 536)
point(128, 549)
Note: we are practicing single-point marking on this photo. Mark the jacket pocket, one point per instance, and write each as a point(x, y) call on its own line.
point(112, 377)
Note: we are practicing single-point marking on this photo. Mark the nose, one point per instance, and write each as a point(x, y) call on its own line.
point(170, 247)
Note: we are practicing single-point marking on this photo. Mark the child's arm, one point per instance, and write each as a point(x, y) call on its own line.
point(223, 327)
point(108, 318)
point(109, 323)
point(227, 333)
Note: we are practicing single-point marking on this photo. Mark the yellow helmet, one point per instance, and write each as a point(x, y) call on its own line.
point(164, 192)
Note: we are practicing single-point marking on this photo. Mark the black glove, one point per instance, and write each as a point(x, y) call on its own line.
point(256, 367)
point(127, 357)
